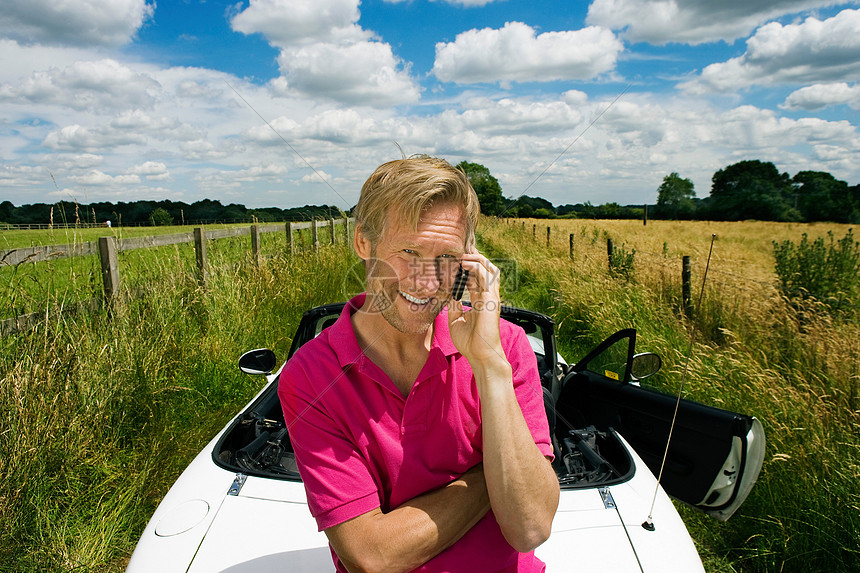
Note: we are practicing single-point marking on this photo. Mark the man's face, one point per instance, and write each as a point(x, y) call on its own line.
point(410, 274)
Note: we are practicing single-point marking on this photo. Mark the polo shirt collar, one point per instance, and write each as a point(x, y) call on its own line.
point(442, 335)
point(345, 344)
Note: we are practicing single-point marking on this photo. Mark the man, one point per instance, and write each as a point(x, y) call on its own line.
point(419, 426)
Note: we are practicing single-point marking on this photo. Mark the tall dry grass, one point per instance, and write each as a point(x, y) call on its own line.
point(99, 413)
point(796, 368)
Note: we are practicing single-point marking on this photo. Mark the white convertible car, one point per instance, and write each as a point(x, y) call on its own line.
point(240, 505)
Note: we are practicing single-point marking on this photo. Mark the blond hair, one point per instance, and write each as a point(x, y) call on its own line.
point(403, 189)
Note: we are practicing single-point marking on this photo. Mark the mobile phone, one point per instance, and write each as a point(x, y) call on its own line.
point(459, 283)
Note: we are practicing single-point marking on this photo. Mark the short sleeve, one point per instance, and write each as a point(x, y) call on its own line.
point(337, 480)
point(527, 386)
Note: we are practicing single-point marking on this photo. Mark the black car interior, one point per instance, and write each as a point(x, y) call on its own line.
point(586, 411)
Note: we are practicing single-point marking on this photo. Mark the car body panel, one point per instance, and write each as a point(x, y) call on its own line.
point(201, 481)
point(224, 514)
point(253, 534)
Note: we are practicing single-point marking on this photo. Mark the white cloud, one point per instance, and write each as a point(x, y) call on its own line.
point(129, 128)
point(96, 177)
point(112, 128)
point(194, 89)
point(325, 53)
point(510, 116)
point(692, 21)
point(159, 127)
point(77, 137)
point(516, 53)
point(819, 96)
point(18, 61)
point(361, 73)
point(82, 161)
point(205, 150)
point(292, 22)
point(152, 170)
point(85, 85)
point(315, 177)
point(271, 134)
point(751, 129)
point(811, 51)
point(21, 176)
point(227, 180)
point(74, 22)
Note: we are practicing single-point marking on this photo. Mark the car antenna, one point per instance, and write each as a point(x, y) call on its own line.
point(649, 523)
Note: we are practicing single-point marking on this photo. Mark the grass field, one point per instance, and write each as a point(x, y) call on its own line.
point(795, 368)
point(33, 287)
point(99, 413)
point(69, 236)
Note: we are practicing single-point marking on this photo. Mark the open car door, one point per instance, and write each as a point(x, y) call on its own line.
point(714, 456)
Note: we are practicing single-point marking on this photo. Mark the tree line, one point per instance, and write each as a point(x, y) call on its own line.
point(156, 213)
point(749, 189)
point(745, 190)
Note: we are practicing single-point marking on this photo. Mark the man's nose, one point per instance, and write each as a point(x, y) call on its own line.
point(426, 276)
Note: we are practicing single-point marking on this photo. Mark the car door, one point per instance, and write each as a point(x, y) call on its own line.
point(714, 456)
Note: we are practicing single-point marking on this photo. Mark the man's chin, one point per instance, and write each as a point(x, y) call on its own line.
point(410, 317)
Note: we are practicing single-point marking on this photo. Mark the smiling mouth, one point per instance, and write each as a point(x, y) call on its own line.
point(414, 299)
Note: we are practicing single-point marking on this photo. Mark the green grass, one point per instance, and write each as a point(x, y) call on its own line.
point(59, 282)
point(99, 413)
point(35, 238)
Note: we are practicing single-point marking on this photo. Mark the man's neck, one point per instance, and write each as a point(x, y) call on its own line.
point(400, 355)
point(374, 330)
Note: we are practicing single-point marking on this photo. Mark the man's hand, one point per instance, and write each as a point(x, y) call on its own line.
point(407, 537)
point(521, 482)
point(475, 333)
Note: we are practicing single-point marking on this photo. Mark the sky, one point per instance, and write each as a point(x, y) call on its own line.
point(283, 103)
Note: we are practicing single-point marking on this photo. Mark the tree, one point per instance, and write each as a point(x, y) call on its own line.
point(486, 186)
point(160, 218)
point(6, 211)
point(821, 197)
point(752, 190)
point(675, 197)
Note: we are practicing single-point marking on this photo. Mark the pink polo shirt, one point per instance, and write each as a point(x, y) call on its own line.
point(360, 445)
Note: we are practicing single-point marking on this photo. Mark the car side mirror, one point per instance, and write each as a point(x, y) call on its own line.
point(259, 361)
point(645, 364)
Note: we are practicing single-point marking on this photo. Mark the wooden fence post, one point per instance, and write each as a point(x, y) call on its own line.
point(110, 268)
point(315, 236)
point(346, 231)
point(331, 223)
point(200, 251)
point(571, 246)
point(291, 246)
point(547, 237)
point(255, 244)
point(534, 232)
point(686, 278)
point(609, 251)
point(645, 215)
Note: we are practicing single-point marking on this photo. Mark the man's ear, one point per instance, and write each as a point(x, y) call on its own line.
point(361, 243)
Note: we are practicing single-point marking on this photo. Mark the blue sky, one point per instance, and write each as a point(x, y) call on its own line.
point(119, 100)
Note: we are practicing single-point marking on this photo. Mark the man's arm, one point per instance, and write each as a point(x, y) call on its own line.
point(521, 483)
point(412, 534)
